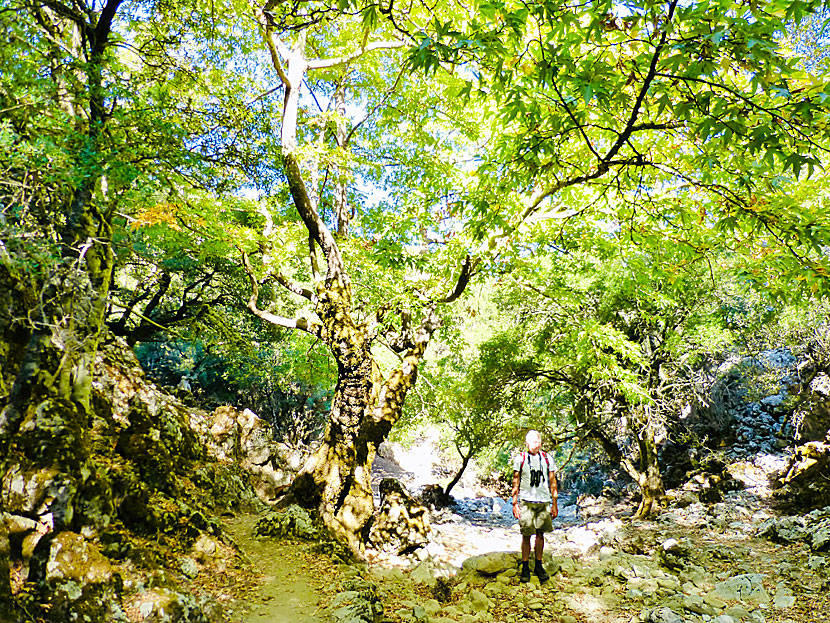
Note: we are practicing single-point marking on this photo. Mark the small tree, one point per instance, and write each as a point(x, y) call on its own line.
point(608, 336)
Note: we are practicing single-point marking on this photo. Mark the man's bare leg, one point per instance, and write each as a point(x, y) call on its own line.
point(539, 545)
point(526, 547)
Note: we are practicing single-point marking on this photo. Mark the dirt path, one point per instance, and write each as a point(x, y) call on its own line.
point(290, 589)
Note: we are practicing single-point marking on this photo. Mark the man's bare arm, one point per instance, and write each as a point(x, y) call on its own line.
point(554, 495)
point(516, 476)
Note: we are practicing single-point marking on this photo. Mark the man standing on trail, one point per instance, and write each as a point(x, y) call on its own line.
point(534, 501)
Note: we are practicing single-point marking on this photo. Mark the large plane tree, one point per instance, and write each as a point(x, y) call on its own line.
point(393, 150)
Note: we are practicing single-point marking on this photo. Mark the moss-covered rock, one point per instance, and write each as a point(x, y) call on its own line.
point(71, 557)
point(6, 602)
point(68, 601)
point(165, 605)
point(244, 439)
point(79, 582)
point(124, 490)
point(805, 485)
point(401, 524)
point(53, 432)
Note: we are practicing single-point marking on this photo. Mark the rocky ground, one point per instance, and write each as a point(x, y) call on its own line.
point(725, 562)
point(717, 553)
point(157, 528)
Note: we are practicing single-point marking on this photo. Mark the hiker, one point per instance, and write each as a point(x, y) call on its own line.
point(534, 501)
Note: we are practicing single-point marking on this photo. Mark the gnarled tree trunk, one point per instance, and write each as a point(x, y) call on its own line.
point(645, 472)
point(336, 481)
point(648, 476)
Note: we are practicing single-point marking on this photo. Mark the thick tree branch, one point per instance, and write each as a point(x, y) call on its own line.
point(323, 63)
point(317, 229)
point(467, 272)
point(275, 46)
point(607, 161)
point(601, 170)
point(280, 321)
point(104, 26)
point(296, 288)
point(641, 96)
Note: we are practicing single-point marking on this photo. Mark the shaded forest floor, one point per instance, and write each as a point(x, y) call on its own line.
point(288, 580)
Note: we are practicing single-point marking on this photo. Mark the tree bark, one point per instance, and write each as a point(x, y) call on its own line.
point(649, 479)
point(336, 481)
point(465, 461)
point(646, 473)
point(341, 204)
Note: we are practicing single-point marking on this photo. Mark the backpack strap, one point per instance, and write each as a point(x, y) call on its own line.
point(544, 456)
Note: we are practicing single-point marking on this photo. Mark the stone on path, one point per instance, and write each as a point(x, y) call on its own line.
point(665, 615)
point(748, 588)
point(492, 563)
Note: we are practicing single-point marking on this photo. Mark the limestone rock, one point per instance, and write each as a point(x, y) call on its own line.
point(164, 605)
point(748, 588)
point(71, 557)
point(805, 486)
point(492, 563)
point(784, 529)
point(423, 574)
point(480, 602)
point(664, 615)
point(358, 603)
point(433, 495)
point(606, 552)
point(80, 582)
point(783, 598)
point(820, 536)
point(813, 529)
point(813, 418)
point(243, 438)
point(401, 524)
point(696, 604)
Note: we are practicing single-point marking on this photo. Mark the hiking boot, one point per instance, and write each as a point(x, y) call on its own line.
point(524, 576)
point(540, 572)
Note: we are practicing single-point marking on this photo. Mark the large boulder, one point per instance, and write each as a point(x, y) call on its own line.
point(748, 587)
point(245, 439)
point(812, 418)
point(401, 524)
point(812, 529)
point(492, 563)
point(359, 602)
point(80, 490)
point(81, 583)
point(805, 486)
point(165, 605)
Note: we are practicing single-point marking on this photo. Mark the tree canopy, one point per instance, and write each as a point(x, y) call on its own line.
point(347, 170)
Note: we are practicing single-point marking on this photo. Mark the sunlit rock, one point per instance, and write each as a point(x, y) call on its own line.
point(492, 563)
point(748, 588)
point(401, 524)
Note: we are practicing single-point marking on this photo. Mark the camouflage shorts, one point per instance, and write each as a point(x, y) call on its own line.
point(534, 517)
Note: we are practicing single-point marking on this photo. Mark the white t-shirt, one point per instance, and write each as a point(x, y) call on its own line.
point(534, 484)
